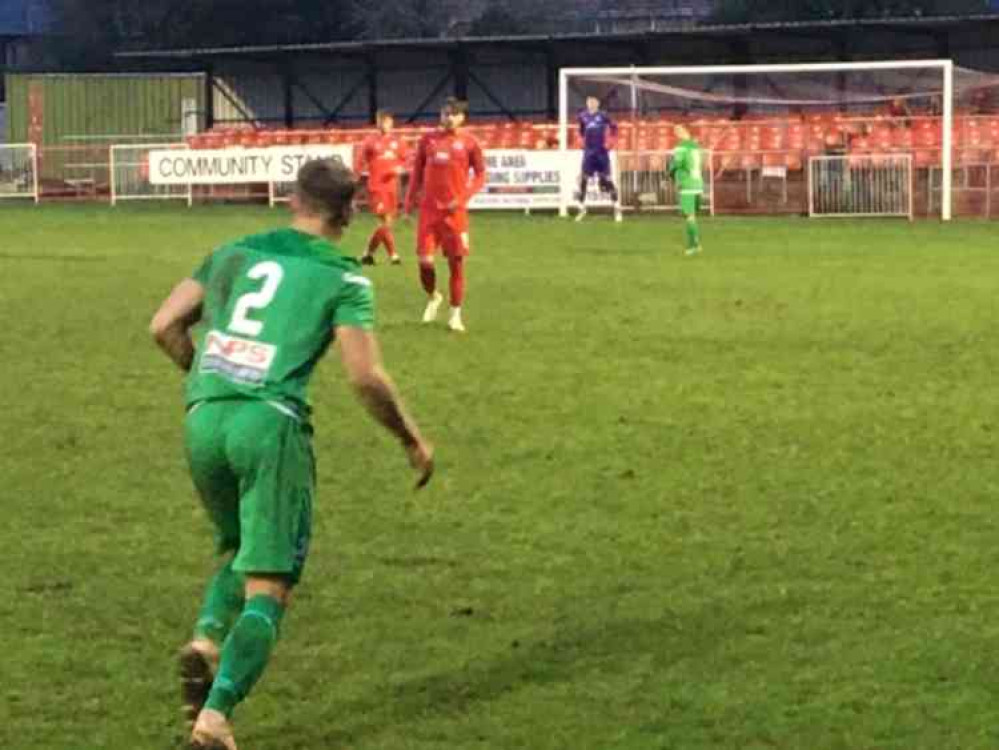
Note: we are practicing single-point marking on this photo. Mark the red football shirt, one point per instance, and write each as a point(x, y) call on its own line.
point(444, 159)
point(383, 156)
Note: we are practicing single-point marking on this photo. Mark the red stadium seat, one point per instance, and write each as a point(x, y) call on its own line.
point(749, 160)
point(927, 137)
point(925, 158)
point(902, 138)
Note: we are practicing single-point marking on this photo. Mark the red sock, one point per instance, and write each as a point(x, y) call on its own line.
point(428, 278)
point(377, 238)
point(457, 266)
point(389, 240)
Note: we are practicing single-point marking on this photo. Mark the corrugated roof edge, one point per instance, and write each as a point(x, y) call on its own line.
point(445, 43)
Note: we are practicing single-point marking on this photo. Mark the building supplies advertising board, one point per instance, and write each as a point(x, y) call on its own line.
point(521, 179)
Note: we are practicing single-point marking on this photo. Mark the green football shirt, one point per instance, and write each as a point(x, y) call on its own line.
point(271, 303)
point(686, 166)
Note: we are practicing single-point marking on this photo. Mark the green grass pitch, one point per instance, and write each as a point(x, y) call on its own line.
point(740, 501)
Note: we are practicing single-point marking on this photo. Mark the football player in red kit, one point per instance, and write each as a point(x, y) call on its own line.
point(383, 157)
point(444, 160)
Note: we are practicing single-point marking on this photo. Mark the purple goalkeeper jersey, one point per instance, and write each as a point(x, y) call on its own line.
point(594, 127)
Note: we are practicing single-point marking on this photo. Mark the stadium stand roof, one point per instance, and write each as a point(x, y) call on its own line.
point(928, 25)
point(364, 74)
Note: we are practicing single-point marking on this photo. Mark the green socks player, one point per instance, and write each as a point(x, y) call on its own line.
point(245, 653)
point(693, 235)
point(232, 644)
point(685, 168)
point(199, 659)
point(217, 681)
point(223, 603)
point(251, 459)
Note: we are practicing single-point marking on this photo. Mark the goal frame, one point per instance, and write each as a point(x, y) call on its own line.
point(36, 195)
point(946, 68)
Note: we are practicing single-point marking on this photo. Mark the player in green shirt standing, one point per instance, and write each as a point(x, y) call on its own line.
point(685, 169)
point(270, 306)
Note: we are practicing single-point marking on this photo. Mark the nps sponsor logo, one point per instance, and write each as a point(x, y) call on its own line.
point(239, 360)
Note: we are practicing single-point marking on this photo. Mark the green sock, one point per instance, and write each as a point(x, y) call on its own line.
point(693, 233)
point(222, 605)
point(246, 653)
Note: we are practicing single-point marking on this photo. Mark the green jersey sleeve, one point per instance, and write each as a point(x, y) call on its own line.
point(678, 161)
point(202, 273)
point(355, 305)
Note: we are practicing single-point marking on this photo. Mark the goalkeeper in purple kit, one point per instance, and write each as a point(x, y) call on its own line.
point(595, 127)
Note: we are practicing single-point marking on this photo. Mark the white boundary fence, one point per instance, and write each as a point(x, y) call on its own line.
point(130, 175)
point(859, 185)
point(645, 181)
point(19, 171)
point(279, 192)
point(869, 184)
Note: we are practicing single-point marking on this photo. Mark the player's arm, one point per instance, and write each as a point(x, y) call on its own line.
point(403, 154)
point(610, 132)
point(416, 178)
point(581, 121)
point(362, 363)
point(477, 164)
point(677, 162)
point(363, 157)
point(172, 323)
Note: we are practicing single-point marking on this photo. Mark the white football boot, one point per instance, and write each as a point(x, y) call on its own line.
point(454, 321)
point(430, 312)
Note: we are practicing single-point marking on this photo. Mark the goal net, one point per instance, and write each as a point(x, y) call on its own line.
point(19, 171)
point(129, 168)
point(771, 134)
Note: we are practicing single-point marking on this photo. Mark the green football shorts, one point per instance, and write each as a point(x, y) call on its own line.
point(253, 467)
point(690, 203)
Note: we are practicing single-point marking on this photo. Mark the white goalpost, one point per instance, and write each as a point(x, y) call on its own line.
point(777, 138)
point(19, 171)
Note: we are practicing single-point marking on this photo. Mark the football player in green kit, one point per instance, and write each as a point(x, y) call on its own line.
point(685, 169)
point(269, 305)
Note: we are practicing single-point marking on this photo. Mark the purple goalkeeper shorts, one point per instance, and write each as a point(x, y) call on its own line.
point(596, 163)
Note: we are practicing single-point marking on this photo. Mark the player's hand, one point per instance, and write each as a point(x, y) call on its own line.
point(421, 458)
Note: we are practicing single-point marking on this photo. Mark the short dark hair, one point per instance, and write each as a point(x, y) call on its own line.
point(326, 187)
point(458, 106)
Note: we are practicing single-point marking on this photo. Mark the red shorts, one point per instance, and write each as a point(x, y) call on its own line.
point(446, 231)
point(383, 202)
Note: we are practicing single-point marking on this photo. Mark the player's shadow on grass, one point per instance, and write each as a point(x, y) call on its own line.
point(567, 657)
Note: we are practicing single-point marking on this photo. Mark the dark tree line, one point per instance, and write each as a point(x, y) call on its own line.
point(90, 31)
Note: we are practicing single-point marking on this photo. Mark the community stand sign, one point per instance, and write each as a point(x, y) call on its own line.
point(236, 166)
